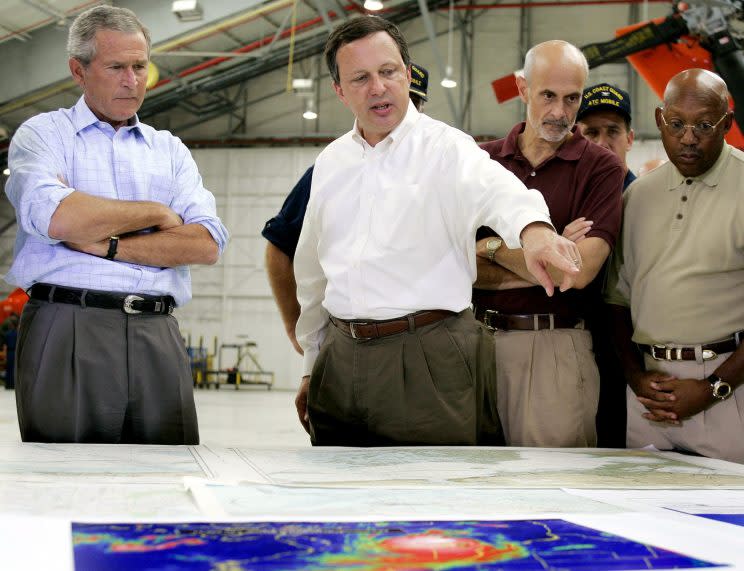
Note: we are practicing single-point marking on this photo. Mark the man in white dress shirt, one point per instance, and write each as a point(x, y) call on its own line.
point(386, 262)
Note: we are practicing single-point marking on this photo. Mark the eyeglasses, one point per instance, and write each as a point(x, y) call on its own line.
point(701, 130)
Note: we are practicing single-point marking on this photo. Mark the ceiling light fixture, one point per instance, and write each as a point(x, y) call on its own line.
point(373, 5)
point(310, 113)
point(187, 10)
point(448, 82)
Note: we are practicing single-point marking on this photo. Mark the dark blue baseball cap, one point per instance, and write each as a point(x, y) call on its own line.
point(419, 81)
point(604, 97)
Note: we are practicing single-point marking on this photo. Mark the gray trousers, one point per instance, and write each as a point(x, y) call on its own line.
point(432, 386)
point(100, 375)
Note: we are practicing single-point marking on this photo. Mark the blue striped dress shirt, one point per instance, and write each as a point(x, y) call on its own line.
point(53, 154)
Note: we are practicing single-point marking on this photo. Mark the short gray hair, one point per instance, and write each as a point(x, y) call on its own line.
point(81, 42)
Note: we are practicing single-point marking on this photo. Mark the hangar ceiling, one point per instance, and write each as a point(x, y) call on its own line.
point(216, 71)
point(202, 64)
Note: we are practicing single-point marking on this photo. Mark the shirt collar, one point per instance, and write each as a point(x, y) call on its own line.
point(83, 117)
point(709, 178)
point(570, 150)
point(409, 120)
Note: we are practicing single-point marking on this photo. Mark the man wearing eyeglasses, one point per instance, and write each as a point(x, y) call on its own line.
point(677, 281)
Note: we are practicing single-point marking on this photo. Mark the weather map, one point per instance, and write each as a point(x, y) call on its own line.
point(366, 546)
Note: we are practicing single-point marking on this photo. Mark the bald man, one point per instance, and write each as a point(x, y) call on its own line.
point(547, 379)
point(677, 281)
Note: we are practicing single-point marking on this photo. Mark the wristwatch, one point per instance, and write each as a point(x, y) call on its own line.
point(492, 245)
point(112, 248)
point(721, 389)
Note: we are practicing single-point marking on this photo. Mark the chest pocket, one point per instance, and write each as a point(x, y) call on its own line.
point(398, 218)
point(157, 185)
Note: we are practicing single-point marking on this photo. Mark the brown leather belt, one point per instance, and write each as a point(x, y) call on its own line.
point(375, 329)
point(532, 322)
point(709, 351)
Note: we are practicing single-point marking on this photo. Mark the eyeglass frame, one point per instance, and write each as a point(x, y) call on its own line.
point(692, 127)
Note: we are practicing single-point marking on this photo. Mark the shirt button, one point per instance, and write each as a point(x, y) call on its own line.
point(679, 217)
point(533, 173)
point(689, 181)
point(684, 199)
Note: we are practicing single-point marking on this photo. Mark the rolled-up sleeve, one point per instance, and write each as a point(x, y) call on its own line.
point(194, 203)
point(37, 183)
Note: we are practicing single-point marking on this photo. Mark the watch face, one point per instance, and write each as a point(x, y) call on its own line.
point(491, 246)
point(722, 390)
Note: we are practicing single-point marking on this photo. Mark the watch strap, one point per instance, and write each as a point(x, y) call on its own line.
point(113, 247)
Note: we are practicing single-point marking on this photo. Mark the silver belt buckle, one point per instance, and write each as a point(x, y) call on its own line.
point(486, 314)
point(128, 301)
point(667, 355)
point(352, 330)
point(670, 353)
point(709, 354)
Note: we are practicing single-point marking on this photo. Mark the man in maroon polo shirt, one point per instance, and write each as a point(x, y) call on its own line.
point(547, 383)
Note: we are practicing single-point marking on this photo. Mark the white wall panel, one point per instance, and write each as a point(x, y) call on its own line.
point(232, 300)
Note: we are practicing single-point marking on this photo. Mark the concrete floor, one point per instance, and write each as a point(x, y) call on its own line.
point(249, 416)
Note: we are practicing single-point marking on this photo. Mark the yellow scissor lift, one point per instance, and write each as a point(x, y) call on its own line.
point(245, 370)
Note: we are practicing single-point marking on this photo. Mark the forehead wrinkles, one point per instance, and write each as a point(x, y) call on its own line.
point(695, 102)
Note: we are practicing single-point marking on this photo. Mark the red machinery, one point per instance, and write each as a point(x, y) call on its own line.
point(13, 304)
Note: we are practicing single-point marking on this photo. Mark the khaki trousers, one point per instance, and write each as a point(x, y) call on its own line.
point(425, 387)
point(716, 432)
point(547, 387)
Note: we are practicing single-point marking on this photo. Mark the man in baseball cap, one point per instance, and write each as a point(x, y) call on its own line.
point(419, 85)
point(604, 118)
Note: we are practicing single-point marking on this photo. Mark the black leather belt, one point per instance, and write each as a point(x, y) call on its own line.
point(376, 329)
point(531, 322)
point(128, 303)
point(709, 351)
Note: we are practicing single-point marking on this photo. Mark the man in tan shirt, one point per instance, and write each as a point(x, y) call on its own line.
point(677, 281)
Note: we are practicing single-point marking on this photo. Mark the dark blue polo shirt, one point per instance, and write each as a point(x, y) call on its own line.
point(629, 177)
point(284, 229)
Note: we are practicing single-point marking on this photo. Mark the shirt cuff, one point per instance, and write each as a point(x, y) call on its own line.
point(521, 222)
point(310, 355)
point(216, 229)
point(40, 213)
